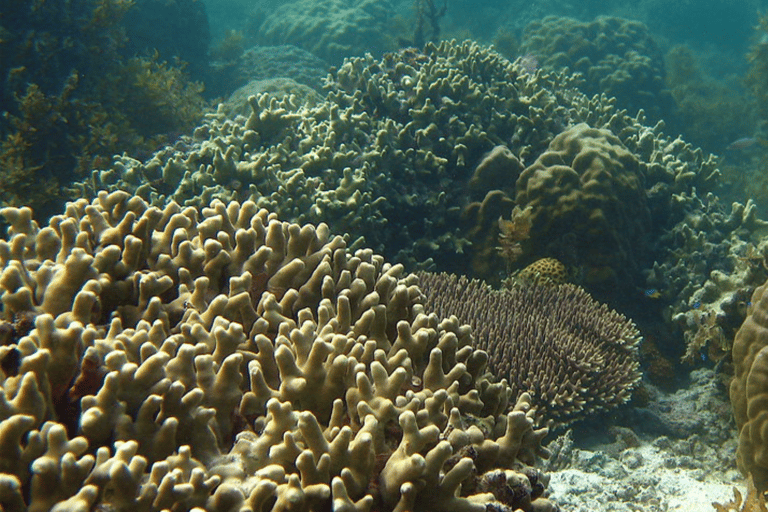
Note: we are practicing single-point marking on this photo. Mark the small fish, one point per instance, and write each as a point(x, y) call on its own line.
point(697, 304)
point(529, 63)
point(652, 293)
point(741, 144)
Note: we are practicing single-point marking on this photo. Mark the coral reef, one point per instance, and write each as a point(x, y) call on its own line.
point(238, 103)
point(263, 63)
point(614, 56)
point(218, 358)
point(553, 341)
point(706, 280)
point(398, 142)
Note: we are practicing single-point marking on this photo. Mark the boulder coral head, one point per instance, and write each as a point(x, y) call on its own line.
point(749, 390)
point(588, 206)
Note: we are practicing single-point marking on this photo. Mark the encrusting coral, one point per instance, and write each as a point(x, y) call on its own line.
point(219, 358)
point(573, 355)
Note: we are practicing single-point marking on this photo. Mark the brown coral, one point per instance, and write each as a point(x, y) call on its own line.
point(749, 390)
point(589, 206)
point(573, 355)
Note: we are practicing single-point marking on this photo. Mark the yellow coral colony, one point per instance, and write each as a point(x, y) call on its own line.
point(230, 361)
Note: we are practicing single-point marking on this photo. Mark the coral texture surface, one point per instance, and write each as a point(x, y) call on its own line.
point(749, 390)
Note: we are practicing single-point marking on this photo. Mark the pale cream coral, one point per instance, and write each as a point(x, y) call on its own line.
point(225, 360)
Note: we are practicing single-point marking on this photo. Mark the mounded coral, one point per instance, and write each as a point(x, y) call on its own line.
point(330, 29)
point(749, 389)
point(589, 207)
point(222, 359)
point(615, 56)
point(573, 355)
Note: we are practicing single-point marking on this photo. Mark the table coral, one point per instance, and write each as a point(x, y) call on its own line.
point(230, 361)
point(573, 355)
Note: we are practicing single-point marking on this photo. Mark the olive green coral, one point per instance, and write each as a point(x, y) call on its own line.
point(587, 196)
point(613, 56)
point(391, 151)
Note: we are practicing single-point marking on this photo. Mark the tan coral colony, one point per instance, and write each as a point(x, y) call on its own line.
point(220, 359)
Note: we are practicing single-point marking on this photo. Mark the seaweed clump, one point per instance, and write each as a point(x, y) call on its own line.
point(710, 113)
point(754, 502)
point(72, 100)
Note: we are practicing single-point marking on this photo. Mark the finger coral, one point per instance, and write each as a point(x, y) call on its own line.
point(573, 355)
point(222, 359)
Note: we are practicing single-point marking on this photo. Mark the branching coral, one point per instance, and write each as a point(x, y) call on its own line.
point(219, 358)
